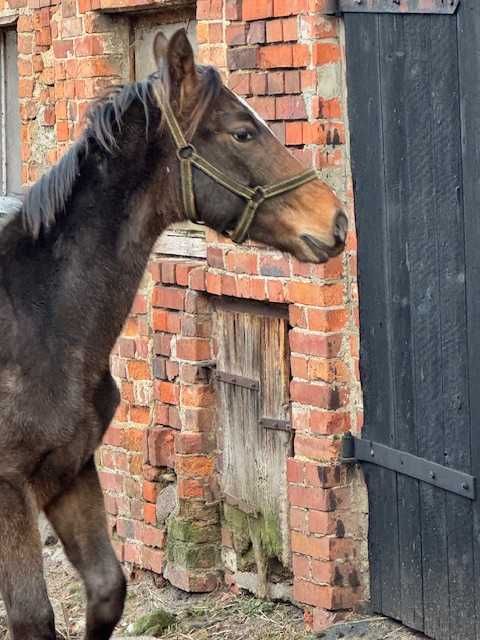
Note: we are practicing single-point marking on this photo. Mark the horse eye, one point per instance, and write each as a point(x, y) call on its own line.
point(243, 135)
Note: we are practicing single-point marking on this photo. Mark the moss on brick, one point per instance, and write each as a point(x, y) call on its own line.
point(193, 556)
point(189, 531)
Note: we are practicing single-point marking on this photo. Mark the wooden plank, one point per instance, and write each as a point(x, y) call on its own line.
point(452, 376)
point(397, 88)
point(254, 458)
point(12, 117)
point(469, 80)
point(362, 42)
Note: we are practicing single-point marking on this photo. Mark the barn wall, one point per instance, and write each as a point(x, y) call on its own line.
point(160, 462)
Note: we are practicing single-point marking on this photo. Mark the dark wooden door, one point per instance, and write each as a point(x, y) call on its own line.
point(414, 109)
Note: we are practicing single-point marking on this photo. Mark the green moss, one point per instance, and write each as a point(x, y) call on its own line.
point(265, 528)
point(189, 531)
point(153, 624)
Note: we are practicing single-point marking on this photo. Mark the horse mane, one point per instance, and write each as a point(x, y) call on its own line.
point(49, 196)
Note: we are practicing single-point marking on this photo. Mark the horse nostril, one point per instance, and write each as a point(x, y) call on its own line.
point(340, 227)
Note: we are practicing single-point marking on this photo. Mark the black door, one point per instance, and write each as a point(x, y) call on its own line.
point(414, 109)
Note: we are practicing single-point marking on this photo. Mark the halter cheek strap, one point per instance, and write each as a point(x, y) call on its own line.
point(188, 158)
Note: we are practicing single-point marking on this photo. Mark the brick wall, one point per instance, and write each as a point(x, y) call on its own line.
point(160, 459)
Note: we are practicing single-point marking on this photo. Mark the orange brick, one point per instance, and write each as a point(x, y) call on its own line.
point(274, 56)
point(257, 9)
point(326, 53)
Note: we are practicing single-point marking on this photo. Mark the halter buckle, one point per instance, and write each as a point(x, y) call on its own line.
point(259, 195)
point(186, 152)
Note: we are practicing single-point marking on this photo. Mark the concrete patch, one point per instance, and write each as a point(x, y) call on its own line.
point(369, 629)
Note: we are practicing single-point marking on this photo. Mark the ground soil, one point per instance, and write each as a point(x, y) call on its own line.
point(218, 616)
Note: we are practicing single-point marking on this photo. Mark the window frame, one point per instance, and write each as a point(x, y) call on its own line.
point(184, 239)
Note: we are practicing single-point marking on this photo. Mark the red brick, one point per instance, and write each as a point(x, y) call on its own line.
point(150, 491)
point(257, 9)
point(313, 294)
point(161, 447)
point(299, 367)
point(197, 396)
point(256, 32)
point(89, 46)
point(327, 423)
point(315, 343)
point(153, 537)
point(276, 83)
point(240, 262)
point(138, 370)
point(301, 566)
point(189, 443)
point(274, 31)
point(153, 560)
point(313, 594)
point(317, 448)
point(241, 58)
point(318, 395)
point(298, 519)
point(150, 513)
point(326, 53)
point(233, 9)
point(311, 498)
point(195, 349)
point(190, 488)
point(290, 29)
point(258, 83)
point(292, 82)
point(168, 297)
point(293, 133)
point(323, 522)
point(194, 466)
point(290, 107)
point(213, 283)
point(275, 56)
point(167, 392)
point(140, 415)
point(289, 7)
point(209, 9)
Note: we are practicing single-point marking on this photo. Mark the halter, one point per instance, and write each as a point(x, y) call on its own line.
point(188, 157)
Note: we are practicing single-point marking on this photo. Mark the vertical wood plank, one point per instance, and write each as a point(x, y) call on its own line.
point(469, 79)
point(368, 174)
point(399, 89)
point(452, 380)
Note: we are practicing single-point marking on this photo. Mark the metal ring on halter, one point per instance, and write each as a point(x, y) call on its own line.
point(186, 152)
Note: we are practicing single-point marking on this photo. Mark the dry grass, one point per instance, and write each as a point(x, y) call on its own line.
point(218, 616)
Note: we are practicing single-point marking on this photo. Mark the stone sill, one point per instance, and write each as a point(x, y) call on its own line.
point(116, 6)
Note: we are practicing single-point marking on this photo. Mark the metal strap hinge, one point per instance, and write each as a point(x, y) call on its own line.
point(360, 450)
point(337, 7)
point(275, 424)
point(239, 381)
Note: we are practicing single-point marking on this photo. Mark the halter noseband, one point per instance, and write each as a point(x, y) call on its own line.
point(188, 157)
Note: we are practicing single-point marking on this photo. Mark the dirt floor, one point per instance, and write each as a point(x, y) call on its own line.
point(173, 615)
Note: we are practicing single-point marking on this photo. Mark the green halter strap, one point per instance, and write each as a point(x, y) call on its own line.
point(188, 157)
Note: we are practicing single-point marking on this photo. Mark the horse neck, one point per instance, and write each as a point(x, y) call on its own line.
point(107, 236)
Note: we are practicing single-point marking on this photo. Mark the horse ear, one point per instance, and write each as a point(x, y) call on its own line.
point(181, 63)
point(160, 46)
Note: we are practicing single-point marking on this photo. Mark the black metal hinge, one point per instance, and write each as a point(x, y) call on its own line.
point(360, 450)
point(337, 7)
point(275, 424)
point(239, 381)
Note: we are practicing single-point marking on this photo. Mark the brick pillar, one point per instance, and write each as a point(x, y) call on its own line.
point(184, 435)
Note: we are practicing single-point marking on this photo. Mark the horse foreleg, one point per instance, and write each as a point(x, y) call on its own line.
point(22, 584)
point(78, 517)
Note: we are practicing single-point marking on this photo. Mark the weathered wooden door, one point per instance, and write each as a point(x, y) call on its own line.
point(253, 376)
point(414, 109)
